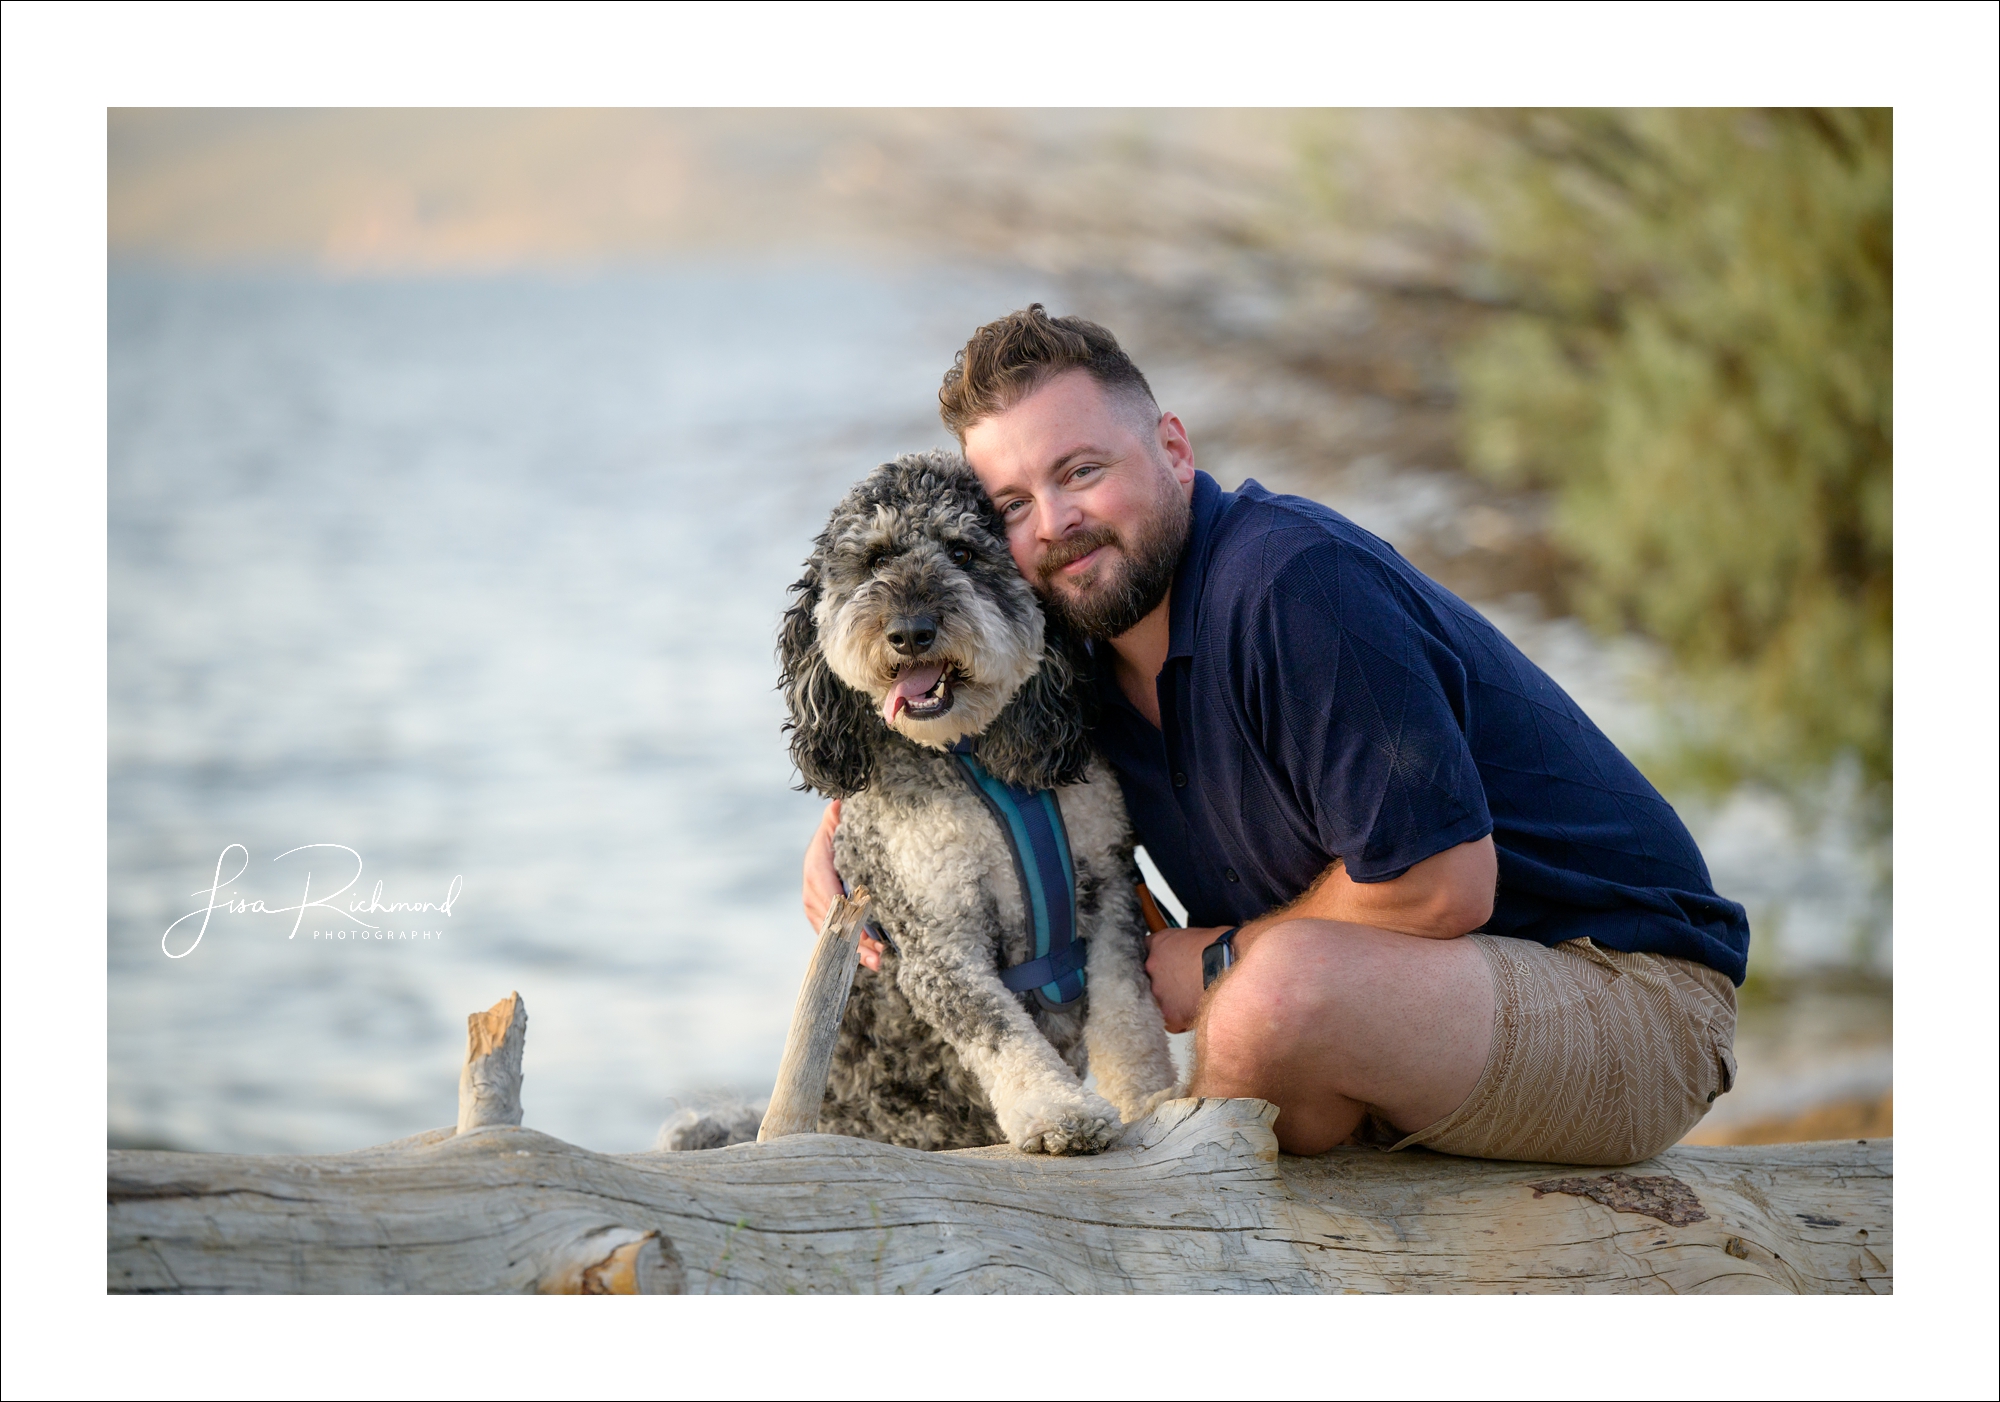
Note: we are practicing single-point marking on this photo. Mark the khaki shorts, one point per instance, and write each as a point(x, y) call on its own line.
point(1599, 1057)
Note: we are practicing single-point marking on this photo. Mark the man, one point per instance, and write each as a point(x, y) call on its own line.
point(1430, 902)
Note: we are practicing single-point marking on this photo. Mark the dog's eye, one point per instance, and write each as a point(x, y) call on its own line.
point(959, 555)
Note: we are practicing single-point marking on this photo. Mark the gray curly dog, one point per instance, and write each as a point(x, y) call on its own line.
point(912, 629)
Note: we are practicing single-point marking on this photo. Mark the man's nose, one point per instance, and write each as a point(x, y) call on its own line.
point(1056, 518)
point(911, 634)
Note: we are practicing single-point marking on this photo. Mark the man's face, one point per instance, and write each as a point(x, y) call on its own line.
point(1094, 492)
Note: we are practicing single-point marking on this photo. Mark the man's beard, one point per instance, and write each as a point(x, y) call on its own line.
point(1132, 586)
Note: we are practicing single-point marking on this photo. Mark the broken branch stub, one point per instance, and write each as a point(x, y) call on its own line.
point(808, 1059)
point(489, 1087)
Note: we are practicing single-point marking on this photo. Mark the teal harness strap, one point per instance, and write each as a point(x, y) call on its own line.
point(1032, 822)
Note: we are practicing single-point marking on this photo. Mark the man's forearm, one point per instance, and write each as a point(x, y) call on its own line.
point(1441, 897)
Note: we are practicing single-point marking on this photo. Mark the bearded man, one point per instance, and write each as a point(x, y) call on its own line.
point(1429, 902)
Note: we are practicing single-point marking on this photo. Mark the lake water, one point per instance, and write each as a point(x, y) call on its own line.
point(479, 579)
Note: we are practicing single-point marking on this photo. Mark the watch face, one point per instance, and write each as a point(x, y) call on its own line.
point(1214, 960)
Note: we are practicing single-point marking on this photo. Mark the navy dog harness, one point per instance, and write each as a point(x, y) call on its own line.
point(1033, 825)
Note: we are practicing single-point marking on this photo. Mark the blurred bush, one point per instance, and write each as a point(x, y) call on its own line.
point(1690, 348)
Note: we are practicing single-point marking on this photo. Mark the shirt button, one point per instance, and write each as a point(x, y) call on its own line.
point(1180, 780)
point(1229, 873)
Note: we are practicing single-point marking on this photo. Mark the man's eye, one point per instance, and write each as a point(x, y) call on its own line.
point(1012, 507)
point(959, 555)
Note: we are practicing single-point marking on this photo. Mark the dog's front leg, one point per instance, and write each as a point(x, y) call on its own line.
point(1041, 1106)
point(1123, 1029)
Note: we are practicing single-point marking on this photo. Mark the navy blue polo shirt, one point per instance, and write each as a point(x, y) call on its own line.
point(1322, 698)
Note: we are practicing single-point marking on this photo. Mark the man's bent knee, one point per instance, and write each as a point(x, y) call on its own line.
point(1257, 1037)
point(1323, 1018)
point(1299, 975)
point(1279, 1004)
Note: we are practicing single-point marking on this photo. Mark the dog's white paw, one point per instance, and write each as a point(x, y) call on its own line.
point(1148, 1104)
point(1074, 1122)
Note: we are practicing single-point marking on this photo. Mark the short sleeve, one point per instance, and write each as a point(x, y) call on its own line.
point(1361, 708)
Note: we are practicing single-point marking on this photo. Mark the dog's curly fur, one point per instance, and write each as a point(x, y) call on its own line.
point(934, 1051)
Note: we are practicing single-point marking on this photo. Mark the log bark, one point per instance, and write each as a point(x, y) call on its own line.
point(808, 1058)
point(1197, 1199)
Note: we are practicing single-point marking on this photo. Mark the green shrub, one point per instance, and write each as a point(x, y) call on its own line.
point(1693, 355)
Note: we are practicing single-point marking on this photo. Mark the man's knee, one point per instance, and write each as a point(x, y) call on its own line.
point(1320, 988)
point(1303, 968)
point(1285, 993)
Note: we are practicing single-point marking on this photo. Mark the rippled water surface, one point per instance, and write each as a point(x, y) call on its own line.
point(480, 579)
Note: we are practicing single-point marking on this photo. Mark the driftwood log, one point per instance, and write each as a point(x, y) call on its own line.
point(1197, 1199)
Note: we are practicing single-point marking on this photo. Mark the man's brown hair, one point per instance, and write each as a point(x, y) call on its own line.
point(1009, 359)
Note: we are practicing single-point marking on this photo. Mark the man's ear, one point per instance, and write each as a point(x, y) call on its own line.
point(1042, 739)
point(833, 728)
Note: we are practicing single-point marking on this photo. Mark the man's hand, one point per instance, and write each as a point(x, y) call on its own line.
point(1173, 962)
point(822, 883)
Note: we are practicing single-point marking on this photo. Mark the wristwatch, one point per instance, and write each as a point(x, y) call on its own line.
point(1218, 956)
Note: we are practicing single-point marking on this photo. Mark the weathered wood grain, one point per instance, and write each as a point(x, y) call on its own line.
point(1197, 1200)
point(1781, 1219)
point(489, 1084)
point(808, 1059)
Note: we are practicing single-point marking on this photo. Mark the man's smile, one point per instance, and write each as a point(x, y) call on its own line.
point(1082, 562)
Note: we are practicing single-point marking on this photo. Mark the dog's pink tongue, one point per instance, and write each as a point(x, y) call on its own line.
point(914, 682)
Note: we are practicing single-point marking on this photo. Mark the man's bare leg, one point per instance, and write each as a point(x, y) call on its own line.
point(1323, 1019)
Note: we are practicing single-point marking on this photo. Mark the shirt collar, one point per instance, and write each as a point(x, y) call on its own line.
point(1207, 509)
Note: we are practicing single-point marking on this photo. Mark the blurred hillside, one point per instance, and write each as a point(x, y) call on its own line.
point(444, 190)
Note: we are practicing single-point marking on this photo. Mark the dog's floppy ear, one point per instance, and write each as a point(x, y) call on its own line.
point(833, 730)
point(1042, 739)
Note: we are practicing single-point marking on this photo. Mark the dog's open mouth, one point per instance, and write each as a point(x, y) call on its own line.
point(923, 689)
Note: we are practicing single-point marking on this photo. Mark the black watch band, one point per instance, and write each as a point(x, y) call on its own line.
point(1218, 956)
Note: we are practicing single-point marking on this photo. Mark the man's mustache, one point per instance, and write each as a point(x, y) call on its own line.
point(1072, 548)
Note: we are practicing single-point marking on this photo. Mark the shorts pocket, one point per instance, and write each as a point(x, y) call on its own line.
point(1725, 1066)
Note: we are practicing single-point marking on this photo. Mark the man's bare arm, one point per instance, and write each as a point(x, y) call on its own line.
point(1440, 898)
point(822, 883)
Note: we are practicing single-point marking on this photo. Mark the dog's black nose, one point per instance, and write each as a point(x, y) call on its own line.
point(912, 634)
